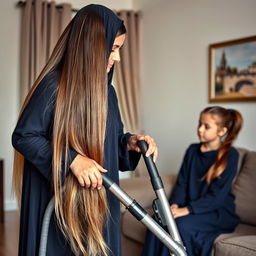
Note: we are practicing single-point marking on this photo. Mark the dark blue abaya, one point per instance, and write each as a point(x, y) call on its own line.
point(212, 208)
point(32, 138)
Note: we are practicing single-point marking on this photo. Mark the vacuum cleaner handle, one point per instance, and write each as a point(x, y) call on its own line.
point(152, 170)
point(160, 193)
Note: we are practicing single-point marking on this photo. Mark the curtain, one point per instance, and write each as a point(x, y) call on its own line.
point(127, 79)
point(41, 25)
point(127, 73)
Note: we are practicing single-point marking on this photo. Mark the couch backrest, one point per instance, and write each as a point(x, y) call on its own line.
point(244, 187)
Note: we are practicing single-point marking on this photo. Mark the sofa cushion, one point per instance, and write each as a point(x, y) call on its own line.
point(242, 153)
point(236, 246)
point(244, 190)
point(241, 230)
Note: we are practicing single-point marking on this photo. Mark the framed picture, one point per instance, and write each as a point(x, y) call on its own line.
point(232, 70)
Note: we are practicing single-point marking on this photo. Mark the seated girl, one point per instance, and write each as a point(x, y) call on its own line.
point(202, 202)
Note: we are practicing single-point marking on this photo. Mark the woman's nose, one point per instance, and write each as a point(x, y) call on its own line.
point(117, 57)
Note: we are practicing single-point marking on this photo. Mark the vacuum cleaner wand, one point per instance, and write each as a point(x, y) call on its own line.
point(141, 215)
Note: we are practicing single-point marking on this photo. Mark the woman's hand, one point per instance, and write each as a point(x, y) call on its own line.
point(87, 172)
point(152, 147)
point(179, 212)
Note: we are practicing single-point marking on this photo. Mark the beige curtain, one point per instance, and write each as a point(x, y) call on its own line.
point(127, 73)
point(127, 79)
point(42, 23)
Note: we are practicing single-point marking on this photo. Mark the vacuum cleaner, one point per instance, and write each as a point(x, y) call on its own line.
point(161, 207)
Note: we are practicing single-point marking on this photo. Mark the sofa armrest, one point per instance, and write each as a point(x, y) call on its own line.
point(141, 190)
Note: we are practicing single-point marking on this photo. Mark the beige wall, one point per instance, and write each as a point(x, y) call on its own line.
point(9, 77)
point(175, 37)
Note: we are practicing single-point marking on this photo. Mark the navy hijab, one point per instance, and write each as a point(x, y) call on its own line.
point(111, 25)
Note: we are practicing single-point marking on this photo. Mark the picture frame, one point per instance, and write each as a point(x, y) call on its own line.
point(232, 70)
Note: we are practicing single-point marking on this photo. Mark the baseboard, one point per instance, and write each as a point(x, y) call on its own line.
point(10, 205)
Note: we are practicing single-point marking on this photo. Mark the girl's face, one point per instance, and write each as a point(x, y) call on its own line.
point(208, 129)
point(115, 54)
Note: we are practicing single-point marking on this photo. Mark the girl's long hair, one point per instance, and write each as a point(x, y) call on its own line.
point(232, 120)
point(80, 115)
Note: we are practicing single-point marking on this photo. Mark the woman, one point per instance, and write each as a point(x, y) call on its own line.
point(68, 129)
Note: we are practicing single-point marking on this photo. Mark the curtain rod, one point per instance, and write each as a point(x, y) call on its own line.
point(22, 4)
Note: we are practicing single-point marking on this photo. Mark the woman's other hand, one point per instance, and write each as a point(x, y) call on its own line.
point(152, 147)
point(87, 171)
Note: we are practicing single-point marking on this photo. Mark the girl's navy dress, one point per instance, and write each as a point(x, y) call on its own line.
point(212, 208)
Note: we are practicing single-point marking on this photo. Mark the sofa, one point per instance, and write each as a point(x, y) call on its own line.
point(242, 242)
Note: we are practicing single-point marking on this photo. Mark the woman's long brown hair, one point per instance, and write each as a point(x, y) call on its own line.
point(80, 114)
point(232, 120)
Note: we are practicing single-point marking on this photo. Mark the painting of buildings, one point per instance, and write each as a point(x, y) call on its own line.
point(234, 72)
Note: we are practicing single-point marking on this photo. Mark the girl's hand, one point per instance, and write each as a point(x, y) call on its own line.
point(152, 147)
point(174, 206)
point(179, 212)
point(87, 172)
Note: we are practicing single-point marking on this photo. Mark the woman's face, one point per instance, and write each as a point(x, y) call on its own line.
point(115, 54)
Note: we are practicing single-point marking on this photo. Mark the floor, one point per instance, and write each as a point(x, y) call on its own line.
point(9, 233)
